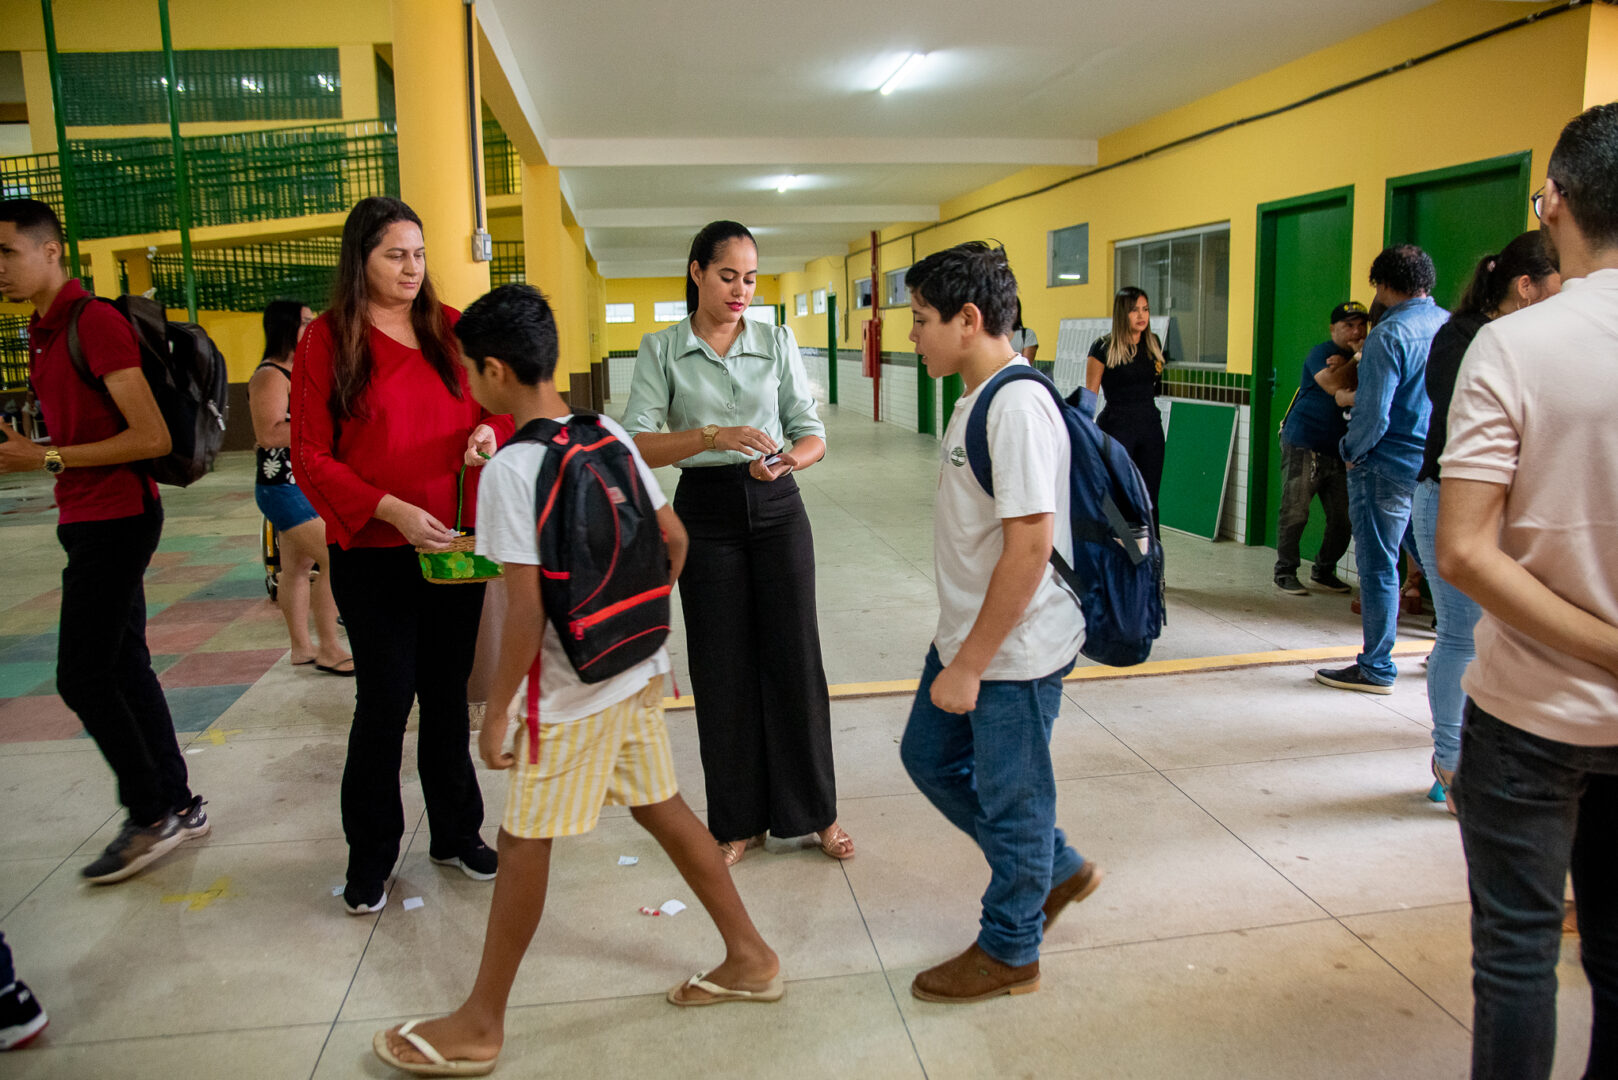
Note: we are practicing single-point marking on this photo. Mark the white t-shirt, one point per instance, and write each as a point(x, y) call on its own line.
point(1029, 455)
point(1023, 338)
point(1533, 410)
point(508, 532)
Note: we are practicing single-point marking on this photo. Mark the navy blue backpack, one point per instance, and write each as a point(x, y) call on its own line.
point(1116, 566)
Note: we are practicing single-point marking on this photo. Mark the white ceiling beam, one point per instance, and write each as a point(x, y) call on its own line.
point(593, 153)
point(698, 216)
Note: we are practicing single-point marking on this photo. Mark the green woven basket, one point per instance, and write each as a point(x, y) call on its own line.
point(460, 565)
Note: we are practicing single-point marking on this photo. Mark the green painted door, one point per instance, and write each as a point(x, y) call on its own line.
point(1458, 215)
point(1303, 272)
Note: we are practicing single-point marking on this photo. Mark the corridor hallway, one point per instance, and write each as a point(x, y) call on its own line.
point(1281, 898)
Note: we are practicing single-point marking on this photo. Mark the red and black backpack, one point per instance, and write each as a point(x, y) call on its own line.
point(604, 565)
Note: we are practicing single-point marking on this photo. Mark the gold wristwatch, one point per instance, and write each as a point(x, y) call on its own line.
point(53, 462)
point(710, 433)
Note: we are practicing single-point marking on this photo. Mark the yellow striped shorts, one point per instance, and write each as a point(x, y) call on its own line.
point(618, 756)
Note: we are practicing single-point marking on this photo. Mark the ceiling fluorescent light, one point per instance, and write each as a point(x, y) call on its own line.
point(906, 67)
point(786, 182)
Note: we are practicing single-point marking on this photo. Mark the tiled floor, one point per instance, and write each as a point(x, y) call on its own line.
point(1281, 900)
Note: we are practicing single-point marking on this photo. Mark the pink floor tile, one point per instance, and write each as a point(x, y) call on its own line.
point(197, 611)
point(203, 572)
point(36, 719)
point(178, 637)
point(221, 668)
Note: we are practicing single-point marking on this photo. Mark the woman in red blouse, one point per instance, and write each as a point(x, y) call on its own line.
point(382, 421)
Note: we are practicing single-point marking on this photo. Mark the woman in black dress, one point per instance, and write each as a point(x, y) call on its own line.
point(1127, 367)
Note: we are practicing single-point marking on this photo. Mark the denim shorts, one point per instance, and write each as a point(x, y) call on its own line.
point(284, 505)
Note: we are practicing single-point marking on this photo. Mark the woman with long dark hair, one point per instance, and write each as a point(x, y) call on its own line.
point(382, 422)
point(728, 401)
point(1127, 367)
point(300, 533)
point(1523, 273)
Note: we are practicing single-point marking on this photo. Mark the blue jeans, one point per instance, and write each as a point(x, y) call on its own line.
point(1379, 509)
point(1457, 616)
point(1530, 810)
point(989, 772)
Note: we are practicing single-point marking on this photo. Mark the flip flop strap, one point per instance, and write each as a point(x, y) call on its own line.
point(426, 1048)
point(698, 982)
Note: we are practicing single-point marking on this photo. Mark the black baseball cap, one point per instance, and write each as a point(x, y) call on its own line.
point(1349, 309)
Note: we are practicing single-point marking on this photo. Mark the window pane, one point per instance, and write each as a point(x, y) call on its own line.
point(762, 313)
point(621, 313)
point(1185, 327)
point(862, 292)
point(894, 292)
point(820, 301)
point(802, 301)
point(1128, 271)
point(1215, 302)
point(1069, 255)
point(668, 310)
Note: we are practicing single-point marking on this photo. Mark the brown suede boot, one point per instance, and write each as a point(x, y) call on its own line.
point(974, 976)
point(1076, 888)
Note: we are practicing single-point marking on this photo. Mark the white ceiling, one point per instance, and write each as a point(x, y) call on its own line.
point(663, 115)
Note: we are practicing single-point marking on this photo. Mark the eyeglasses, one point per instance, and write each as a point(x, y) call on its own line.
point(1534, 201)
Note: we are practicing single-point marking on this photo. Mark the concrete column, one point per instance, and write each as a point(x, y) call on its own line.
point(548, 265)
point(435, 149)
point(356, 65)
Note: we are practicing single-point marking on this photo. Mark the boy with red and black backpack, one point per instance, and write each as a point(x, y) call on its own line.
point(577, 522)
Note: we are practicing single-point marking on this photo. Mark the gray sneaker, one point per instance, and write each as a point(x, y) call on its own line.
point(193, 819)
point(134, 848)
point(1289, 583)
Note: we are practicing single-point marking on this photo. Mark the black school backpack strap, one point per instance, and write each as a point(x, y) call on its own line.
point(75, 346)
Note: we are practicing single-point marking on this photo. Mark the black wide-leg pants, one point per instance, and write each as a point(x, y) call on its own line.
point(763, 714)
point(412, 641)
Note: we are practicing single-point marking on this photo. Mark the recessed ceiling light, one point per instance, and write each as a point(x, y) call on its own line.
point(906, 68)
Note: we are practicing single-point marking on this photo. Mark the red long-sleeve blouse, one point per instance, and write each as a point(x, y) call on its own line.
point(408, 440)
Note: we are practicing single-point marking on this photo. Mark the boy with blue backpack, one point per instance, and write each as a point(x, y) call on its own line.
point(977, 743)
point(577, 522)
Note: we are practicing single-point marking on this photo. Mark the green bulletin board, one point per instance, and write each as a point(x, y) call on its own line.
point(1196, 466)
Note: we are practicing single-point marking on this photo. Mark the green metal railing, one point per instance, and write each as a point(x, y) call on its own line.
point(1211, 383)
point(502, 167)
point(126, 186)
point(13, 352)
point(507, 266)
point(214, 84)
point(247, 278)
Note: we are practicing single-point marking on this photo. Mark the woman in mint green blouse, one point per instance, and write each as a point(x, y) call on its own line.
point(728, 402)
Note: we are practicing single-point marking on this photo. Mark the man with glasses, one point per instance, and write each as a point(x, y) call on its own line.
point(1526, 527)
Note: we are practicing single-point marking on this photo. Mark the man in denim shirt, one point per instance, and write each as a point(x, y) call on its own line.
point(1383, 451)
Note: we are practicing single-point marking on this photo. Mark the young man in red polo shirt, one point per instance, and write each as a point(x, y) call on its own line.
point(109, 523)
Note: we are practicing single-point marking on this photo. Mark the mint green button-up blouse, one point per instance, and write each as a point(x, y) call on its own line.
point(681, 383)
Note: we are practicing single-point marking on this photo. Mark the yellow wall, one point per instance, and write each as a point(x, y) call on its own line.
point(644, 293)
point(1424, 118)
point(1601, 66)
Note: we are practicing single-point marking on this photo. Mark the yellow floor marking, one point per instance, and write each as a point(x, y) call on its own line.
point(196, 901)
point(1188, 665)
point(217, 737)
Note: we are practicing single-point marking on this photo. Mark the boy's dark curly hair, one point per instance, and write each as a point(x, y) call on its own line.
point(1404, 268)
point(969, 273)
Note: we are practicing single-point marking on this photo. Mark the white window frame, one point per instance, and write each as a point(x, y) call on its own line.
point(819, 297)
point(801, 301)
point(668, 310)
point(763, 313)
point(862, 285)
point(1058, 276)
point(892, 297)
point(1163, 305)
point(620, 313)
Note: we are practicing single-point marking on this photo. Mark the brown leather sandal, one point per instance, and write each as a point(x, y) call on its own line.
point(835, 842)
point(733, 850)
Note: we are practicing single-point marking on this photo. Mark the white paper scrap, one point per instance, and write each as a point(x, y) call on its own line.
point(195, 749)
point(337, 890)
point(414, 902)
point(628, 860)
point(673, 907)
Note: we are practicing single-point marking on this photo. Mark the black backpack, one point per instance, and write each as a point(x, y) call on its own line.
point(1115, 569)
point(187, 375)
point(604, 566)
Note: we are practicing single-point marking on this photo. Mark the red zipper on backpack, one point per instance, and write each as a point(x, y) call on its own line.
point(580, 625)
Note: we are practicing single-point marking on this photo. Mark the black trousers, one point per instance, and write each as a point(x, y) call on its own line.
point(763, 714)
point(103, 669)
point(1306, 475)
point(1139, 430)
point(412, 641)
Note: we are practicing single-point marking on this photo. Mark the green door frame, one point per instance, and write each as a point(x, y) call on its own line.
point(1260, 392)
point(1522, 159)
